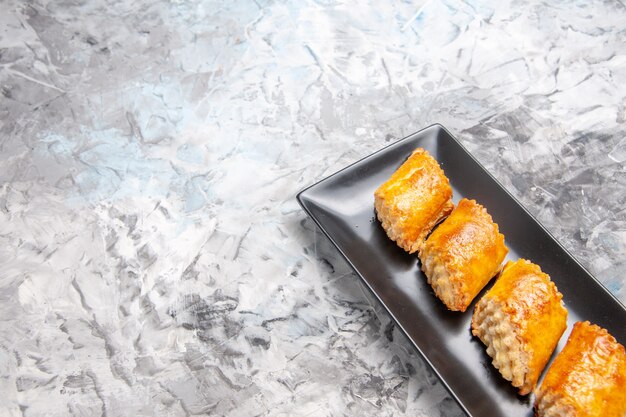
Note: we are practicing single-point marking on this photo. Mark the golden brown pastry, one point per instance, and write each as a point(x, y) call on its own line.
point(520, 319)
point(463, 254)
point(588, 377)
point(413, 200)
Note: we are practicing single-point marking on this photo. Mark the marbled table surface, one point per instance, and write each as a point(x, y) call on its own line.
point(153, 258)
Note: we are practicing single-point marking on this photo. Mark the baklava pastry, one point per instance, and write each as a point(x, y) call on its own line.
point(413, 200)
point(588, 377)
point(463, 254)
point(520, 320)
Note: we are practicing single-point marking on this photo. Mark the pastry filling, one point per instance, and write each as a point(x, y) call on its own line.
point(498, 334)
point(439, 278)
point(552, 405)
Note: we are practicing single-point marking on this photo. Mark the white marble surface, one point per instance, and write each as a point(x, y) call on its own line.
point(153, 258)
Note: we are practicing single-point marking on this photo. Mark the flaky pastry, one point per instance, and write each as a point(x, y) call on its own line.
point(587, 379)
point(520, 320)
point(463, 254)
point(413, 200)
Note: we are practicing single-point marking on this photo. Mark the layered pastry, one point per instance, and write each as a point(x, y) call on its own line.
point(414, 199)
point(463, 254)
point(520, 320)
point(588, 377)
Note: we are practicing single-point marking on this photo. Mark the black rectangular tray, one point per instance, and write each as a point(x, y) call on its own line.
point(342, 205)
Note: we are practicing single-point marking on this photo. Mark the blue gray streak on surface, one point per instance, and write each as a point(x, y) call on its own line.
point(153, 259)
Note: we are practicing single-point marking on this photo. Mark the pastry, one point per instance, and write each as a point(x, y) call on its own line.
point(588, 378)
point(463, 254)
point(416, 197)
point(520, 319)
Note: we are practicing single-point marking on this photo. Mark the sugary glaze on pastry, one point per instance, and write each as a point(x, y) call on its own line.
point(414, 199)
point(520, 320)
point(588, 378)
point(463, 254)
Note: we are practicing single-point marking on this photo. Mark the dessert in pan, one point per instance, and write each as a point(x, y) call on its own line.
point(462, 255)
point(520, 320)
point(522, 317)
point(588, 377)
point(413, 200)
